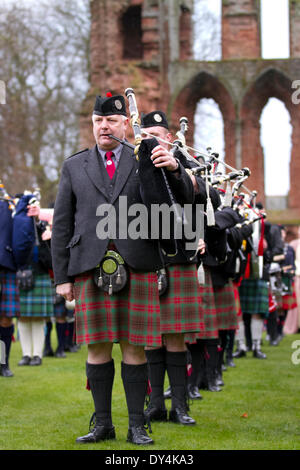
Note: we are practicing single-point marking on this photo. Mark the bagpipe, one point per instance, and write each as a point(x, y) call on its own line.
point(18, 231)
point(155, 184)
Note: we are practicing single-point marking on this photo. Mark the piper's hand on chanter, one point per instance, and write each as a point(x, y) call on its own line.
point(201, 246)
point(66, 290)
point(162, 158)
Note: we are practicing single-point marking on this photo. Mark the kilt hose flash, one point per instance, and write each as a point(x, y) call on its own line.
point(9, 297)
point(181, 309)
point(227, 307)
point(209, 312)
point(254, 296)
point(38, 302)
point(132, 315)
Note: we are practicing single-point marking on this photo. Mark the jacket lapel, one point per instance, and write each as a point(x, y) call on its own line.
point(93, 169)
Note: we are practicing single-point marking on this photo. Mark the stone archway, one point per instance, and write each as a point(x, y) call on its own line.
point(205, 85)
point(271, 83)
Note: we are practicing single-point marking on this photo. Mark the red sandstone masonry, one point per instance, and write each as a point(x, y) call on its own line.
point(150, 78)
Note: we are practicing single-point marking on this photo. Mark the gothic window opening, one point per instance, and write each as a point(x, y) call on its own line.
point(275, 40)
point(131, 24)
point(207, 21)
point(276, 140)
point(209, 128)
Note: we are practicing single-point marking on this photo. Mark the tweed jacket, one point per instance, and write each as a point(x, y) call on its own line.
point(84, 190)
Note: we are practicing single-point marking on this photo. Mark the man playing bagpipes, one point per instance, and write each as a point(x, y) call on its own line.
point(254, 289)
point(180, 306)
point(111, 275)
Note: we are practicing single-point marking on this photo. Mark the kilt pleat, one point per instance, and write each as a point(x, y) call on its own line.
point(38, 302)
point(131, 315)
point(226, 306)
point(9, 297)
point(209, 312)
point(181, 309)
point(254, 296)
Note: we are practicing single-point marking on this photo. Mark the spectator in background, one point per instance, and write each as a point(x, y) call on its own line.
point(36, 303)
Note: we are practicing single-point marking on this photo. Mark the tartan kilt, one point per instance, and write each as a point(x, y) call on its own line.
point(38, 302)
point(9, 298)
point(254, 296)
point(226, 306)
point(209, 312)
point(130, 315)
point(289, 301)
point(181, 309)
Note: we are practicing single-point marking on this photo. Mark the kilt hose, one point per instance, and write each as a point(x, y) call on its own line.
point(9, 297)
point(254, 296)
point(38, 302)
point(181, 309)
point(131, 315)
point(226, 307)
point(209, 312)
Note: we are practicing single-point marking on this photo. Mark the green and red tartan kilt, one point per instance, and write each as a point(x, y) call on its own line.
point(131, 315)
point(226, 306)
point(9, 297)
point(254, 297)
point(181, 309)
point(209, 312)
point(289, 301)
point(38, 302)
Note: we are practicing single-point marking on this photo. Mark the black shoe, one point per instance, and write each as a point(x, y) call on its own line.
point(99, 433)
point(212, 386)
point(274, 342)
point(60, 354)
point(194, 393)
point(168, 393)
point(74, 348)
point(48, 352)
point(219, 380)
point(180, 415)
point(138, 435)
point(25, 361)
point(229, 362)
point(152, 413)
point(35, 361)
point(239, 353)
point(5, 371)
point(258, 354)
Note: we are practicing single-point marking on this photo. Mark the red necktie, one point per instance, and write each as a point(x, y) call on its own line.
point(110, 166)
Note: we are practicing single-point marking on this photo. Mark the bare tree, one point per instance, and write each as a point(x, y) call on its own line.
point(45, 66)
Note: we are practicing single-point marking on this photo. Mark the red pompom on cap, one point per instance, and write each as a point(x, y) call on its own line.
point(108, 94)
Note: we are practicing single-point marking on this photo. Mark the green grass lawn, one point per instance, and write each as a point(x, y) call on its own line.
point(47, 407)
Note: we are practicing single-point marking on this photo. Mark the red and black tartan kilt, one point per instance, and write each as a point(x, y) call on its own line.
point(131, 315)
point(226, 306)
point(181, 309)
point(209, 312)
point(9, 297)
